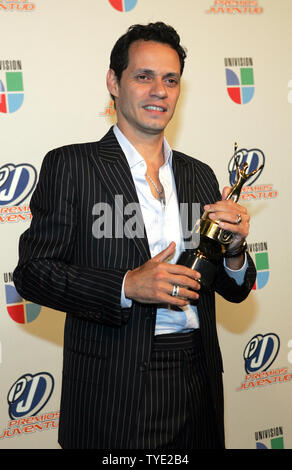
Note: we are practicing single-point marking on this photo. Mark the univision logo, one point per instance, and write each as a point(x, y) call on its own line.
point(239, 79)
point(259, 253)
point(271, 438)
point(123, 5)
point(20, 310)
point(11, 86)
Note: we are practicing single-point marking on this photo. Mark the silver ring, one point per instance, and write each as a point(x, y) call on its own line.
point(239, 219)
point(175, 291)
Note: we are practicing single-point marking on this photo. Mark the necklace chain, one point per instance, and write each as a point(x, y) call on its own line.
point(154, 185)
point(160, 193)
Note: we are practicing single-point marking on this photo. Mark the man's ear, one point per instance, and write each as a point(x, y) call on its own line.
point(112, 83)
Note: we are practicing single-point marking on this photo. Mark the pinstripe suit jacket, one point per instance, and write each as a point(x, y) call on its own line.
point(63, 266)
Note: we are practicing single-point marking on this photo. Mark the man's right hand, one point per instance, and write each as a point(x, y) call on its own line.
point(153, 281)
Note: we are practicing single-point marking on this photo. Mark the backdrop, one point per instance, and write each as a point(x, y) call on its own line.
point(236, 87)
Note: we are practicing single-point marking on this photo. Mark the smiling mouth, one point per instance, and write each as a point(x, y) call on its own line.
point(155, 108)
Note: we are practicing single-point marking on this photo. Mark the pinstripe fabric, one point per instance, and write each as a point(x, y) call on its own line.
point(176, 408)
point(62, 265)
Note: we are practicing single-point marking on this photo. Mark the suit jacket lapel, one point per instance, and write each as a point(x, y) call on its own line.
point(114, 173)
point(186, 191)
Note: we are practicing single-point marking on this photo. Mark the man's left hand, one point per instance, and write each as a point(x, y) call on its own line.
point(230, 216)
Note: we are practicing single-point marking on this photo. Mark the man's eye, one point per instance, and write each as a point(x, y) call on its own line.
point(171, 82)
point(142, 77)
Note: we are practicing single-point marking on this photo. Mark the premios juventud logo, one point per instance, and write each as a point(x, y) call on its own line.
point(235, 7)
point(16, 5)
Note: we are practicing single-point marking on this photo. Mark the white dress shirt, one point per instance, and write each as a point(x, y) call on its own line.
point(162, 224)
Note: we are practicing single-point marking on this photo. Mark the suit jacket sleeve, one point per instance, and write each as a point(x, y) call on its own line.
point(229, 289)
point(45, 273)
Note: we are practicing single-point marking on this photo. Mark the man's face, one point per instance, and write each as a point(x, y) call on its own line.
point(149, 88)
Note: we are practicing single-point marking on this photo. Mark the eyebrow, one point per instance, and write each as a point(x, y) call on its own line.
point(151, 72)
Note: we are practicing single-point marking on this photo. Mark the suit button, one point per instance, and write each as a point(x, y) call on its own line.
point(143, 366)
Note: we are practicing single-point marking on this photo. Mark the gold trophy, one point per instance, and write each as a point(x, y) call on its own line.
point(214, 240)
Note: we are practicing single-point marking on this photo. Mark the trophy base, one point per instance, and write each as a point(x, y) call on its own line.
point(194, 259)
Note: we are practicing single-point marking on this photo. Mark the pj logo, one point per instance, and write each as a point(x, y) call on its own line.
point(260, 352)
point(254, 158)
point(29, 394)
point(16, 183)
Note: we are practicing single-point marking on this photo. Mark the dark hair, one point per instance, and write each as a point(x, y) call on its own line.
point(158, 32)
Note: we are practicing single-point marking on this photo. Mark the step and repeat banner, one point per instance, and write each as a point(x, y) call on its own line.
point(236, 87)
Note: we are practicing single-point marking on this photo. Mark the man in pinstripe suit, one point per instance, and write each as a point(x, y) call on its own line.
point(142, 365)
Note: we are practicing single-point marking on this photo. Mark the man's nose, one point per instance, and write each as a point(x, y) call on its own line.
point(158, 88)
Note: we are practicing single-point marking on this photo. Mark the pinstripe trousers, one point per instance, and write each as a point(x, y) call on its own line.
point(176, 411)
